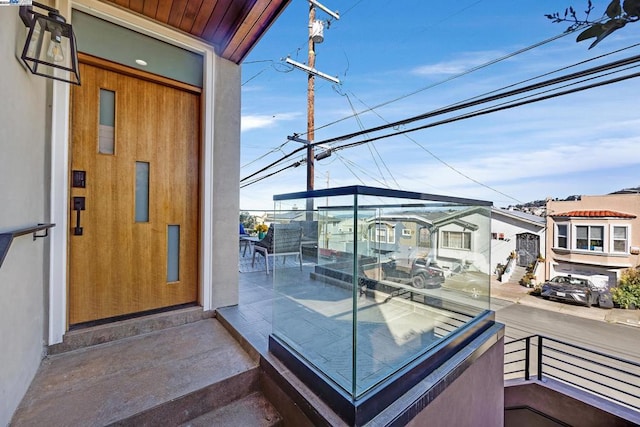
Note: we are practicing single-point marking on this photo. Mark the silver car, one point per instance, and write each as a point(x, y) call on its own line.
point(576, 290)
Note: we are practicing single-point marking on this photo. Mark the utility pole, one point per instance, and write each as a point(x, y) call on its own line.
point(315, 36)
point(311, 61)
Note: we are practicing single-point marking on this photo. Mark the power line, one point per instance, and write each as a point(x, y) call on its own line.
point(372, 148)
point(439, 159)
point(501, 95)
point(293, 165)
point(463, 105)
point(450, 78)
point(372, 109)
point(488, 111)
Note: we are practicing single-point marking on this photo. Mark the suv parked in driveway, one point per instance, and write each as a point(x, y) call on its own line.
point(420, 273)
point(426, 274)
point(576, 290)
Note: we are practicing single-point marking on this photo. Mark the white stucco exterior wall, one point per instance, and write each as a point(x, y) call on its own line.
point(510, 227)
point(226, 184)
point(24, 190)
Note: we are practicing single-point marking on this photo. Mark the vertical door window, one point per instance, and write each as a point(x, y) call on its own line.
point(106, 129)
point(173, 253)
point(142, 192)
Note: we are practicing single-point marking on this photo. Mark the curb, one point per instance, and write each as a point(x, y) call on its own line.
point(614, 316)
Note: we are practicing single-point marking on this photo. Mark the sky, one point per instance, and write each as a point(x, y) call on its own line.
point(403, 58)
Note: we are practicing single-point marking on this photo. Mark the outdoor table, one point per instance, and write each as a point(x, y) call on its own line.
point(247, 241)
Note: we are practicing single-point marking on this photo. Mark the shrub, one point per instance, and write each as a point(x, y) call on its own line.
point(536, 291)
point(627, 293)
point(526, 279)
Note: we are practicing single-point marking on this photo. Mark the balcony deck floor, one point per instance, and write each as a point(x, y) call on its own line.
point(315, 318)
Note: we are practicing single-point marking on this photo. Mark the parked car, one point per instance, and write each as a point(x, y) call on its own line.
point(422, 273)
point(576, 290)
point(426, 274)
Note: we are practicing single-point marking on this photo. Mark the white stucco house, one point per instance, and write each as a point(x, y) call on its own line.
point(519, 232)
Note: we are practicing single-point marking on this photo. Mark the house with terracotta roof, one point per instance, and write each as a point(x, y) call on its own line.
point(595, 237)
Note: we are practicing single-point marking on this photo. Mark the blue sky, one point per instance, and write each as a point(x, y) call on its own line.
point(405, 51)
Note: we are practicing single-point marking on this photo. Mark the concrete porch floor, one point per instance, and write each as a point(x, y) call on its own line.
point(173, 374)
point(165, 377)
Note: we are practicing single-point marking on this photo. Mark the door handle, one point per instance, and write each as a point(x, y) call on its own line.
point(78, 205)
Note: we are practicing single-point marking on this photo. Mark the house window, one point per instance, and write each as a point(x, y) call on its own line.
point(590, 238)
point(456, 240)
point(620, 239)
point(383, 234)
point(424, 238)
point(406, 232)
point(561, 236)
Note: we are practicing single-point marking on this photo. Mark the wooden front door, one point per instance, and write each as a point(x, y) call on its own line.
point(135, 167)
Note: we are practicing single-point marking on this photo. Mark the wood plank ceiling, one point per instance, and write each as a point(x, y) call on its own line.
point(233, 27)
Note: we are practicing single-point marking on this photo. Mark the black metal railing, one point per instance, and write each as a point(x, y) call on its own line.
point(7, 238)
point(604, 375)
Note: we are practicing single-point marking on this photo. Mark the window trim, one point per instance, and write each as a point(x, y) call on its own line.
point(389, 231)
point(603, 249)
point(463, 233)
point(556, 236)
point(612, 239)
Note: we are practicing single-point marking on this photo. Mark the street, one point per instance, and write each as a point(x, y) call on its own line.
point(610, 338)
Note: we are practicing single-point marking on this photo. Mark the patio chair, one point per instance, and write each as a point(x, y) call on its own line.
point(281, 239)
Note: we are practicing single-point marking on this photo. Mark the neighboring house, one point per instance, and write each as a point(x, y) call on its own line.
point(596, 237)
point(451, 239)
point(519, 232)
point(461, 239)
point(152, 152)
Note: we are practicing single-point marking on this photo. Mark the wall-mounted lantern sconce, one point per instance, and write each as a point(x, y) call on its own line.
point(50, 49)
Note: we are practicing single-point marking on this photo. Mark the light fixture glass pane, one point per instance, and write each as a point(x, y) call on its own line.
point(142, 192)
point(106, 129)
point(173, 253)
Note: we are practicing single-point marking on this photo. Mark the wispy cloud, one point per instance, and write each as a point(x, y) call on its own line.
point(464, 62)
point(257, 121)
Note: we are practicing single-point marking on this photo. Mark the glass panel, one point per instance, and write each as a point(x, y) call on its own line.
point(596, 242)
point(173, 253)
point(106, 138)
point(562, 236)
point(620, 239)
point(142, 192)
point(582, 237)
point(619, 232)
point(370, 298)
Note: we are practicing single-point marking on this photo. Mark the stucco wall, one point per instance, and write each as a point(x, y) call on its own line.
point(511, 227)
point(23, 202)
point(566, 404)
point(226, 190)
point(475, 399)
point(583, 263)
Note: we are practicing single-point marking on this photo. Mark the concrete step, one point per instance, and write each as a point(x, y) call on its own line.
point(253, 410)
point(518, 273)
point(165, 377)
point(113, 331)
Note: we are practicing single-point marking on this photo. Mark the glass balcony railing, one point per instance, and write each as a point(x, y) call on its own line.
point(373, 281)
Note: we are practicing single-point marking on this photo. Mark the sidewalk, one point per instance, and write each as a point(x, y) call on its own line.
point(520, 295)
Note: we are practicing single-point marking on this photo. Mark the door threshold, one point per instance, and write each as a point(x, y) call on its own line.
point(114, 328)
